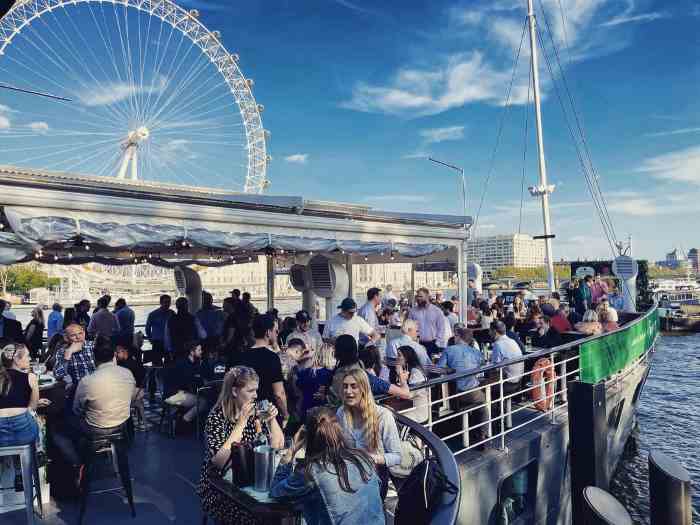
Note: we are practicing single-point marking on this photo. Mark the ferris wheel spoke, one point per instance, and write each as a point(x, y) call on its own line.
point(65, 150)
point(130, 62)
point(97, 61)
point(157, 73)
point(193, 111)
point(126, 64)
point(113, 111)
point(175, 96)
point(73, 163)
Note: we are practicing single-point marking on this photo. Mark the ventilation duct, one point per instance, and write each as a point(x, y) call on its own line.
point(189, 284)
point(627, 269)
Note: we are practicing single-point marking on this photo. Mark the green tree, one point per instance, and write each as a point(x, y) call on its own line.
point(19, 279)
point(562, 271)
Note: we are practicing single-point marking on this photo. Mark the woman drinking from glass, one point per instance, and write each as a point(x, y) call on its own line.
point(369, 426)
point(335, 483)
point(234, 420)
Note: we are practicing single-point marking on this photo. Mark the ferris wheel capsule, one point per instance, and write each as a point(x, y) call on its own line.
point(217, 34)
point(234, 57)
point(267, 134)
point(261, 108)
point(250, 82)
point(194, 13)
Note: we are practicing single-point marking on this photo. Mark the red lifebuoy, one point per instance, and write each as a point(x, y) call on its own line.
point(543, 380)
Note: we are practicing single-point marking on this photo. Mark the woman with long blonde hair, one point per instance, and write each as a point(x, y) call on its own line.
point(234, 420)
point(368, 426)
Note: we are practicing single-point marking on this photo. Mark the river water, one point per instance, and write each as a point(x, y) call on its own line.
point(668, 422)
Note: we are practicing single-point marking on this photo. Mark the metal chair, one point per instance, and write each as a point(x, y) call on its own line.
point(116, 445)
point(30, 472)
point(201, 392)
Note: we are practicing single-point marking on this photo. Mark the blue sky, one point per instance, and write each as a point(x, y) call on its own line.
point(357, 93)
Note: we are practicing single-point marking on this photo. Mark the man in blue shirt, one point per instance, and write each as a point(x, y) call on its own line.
point(155, 332)
point(126, 318)
point(54, 324)
point(212, 320)
point(464, 356)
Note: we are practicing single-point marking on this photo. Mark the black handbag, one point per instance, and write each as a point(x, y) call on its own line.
point(241, 461)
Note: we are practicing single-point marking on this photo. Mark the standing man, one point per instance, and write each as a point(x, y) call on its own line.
point(126, 318)
point(582, 295)
point(369, 312)
point(430, 320)
point(103, 321)
point(306, 332)
point(266, 363)
point(81, 313)
point(155, 331)
point(599, 291)
point(212, 320)
point(346, 322)
point(54, 324)
point(10, 330)
point(181, 328)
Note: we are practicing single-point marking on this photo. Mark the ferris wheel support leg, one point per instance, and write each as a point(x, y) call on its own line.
point(134, 165)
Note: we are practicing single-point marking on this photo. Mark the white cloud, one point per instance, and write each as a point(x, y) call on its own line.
point(678, 166)
point(681, 131)
point(297, 158)
point(627, 19)
point(39, 127)
point(435, 135)
point(113, 92)
point(416, 155)
point(4, 122)
point(489, 33)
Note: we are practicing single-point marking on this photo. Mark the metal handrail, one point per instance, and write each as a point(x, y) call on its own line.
point(447, 512)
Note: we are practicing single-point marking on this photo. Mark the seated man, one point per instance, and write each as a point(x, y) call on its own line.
point(126, 358)
point(546, 336)
point(183, 380)
point(103, 399)
point(409, 337)
point(560, 320)
point(464, 356)
point(214, 366)
point(74, 358)
point(505, 349)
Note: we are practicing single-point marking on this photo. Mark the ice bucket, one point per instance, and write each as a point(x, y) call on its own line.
point(266, 461)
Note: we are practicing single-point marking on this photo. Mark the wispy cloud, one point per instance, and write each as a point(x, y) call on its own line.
point(490, 33)
point(113, 92)
point(4, 118)
point(39, 127)
point(416, 155)
point(436, 135)
point(678, 166)
point(629, 19)
point(355, 7)
point(681, 131)
point(297, 158)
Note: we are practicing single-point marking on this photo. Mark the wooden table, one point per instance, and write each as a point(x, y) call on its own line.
point(268, 512)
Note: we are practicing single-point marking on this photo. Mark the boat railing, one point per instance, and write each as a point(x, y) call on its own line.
point(541, 394)
point(446, 513)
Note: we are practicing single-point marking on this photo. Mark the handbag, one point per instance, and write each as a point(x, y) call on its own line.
point(411, 455)
point(241, 463)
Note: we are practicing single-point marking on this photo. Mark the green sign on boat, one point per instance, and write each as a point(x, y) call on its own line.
point(607, 355)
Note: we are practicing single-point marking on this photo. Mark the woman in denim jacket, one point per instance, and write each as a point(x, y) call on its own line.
point(336, 485)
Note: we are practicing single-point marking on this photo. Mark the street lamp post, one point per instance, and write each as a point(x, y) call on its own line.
point(462, 264)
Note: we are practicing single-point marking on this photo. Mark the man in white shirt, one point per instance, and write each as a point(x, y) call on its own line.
point(368, 312)
point(306, 332)
point(430, 320)
point(505, 349)
point(409, 336)
point(346, 322)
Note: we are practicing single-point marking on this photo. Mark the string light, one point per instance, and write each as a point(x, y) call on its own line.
point(70, 255)
point(55, 257)
point(87, 247)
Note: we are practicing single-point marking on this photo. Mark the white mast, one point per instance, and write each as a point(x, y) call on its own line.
point(543, 190)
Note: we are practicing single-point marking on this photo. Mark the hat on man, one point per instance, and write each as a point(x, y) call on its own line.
point(348, 304)
point(548, 310)
point(303, 316)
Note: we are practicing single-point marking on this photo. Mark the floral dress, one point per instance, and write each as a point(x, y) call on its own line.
point(220, 508)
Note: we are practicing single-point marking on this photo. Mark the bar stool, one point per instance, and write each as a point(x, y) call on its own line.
point(30, 472)
point(116, 444)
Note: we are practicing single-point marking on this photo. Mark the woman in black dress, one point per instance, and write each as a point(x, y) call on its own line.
point(34, 333)
point(233, 420)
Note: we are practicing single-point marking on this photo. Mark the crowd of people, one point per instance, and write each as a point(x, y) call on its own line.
point(280, 381)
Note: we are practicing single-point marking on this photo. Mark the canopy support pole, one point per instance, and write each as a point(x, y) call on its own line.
point(348, 268)
point(463, 280)
point(270, 260)
point(413, 284)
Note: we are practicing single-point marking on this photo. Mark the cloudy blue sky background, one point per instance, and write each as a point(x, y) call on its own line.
point(358, 93)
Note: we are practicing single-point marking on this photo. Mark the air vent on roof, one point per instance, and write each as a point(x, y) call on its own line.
point(322, 276)
point(297, 275)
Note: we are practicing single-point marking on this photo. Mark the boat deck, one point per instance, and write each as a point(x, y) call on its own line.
point(164, 473)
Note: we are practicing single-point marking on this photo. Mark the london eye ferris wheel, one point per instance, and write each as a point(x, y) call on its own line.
point(153, 95)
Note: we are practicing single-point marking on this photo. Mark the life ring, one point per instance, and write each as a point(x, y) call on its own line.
point(543, 381)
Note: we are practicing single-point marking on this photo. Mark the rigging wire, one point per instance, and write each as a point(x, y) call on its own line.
point(504, 113)
point(563, 29)
point(595, 178)
point(587, 175)
point(527, 118)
